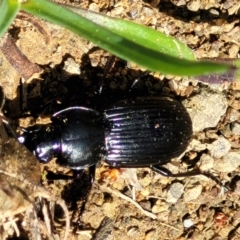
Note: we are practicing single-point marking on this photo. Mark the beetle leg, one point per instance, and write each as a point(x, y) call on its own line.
point(91, 178)
point(58, 176)
point(109, 65)
point(167, 173)
point(79, 173)
point(91, 173)
point(76, 174)
point(135, 82)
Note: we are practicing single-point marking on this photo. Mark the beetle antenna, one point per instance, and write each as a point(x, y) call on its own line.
point(109, 65)
point(135, 82)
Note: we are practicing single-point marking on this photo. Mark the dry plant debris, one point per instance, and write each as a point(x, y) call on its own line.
point(20, 177)
point(162, 208)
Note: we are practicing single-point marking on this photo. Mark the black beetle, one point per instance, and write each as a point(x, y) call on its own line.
point(144, 132)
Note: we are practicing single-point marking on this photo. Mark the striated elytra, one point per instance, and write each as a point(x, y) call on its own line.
point(144, 132)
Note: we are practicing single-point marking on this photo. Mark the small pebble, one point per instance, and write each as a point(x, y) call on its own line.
point(233, 115)
point(206, 162)
point(192, 193)
point(133, 231)
point(237, 189)
point(150, 235)
point(230, 162)
point(214, 12)
point(220, 147)
point(206, 110)
point(160, 206)
point(194, 5)
point(175, 192)
point(236, 129)
point(94, 7)
point(71, 67)
point(187, 223)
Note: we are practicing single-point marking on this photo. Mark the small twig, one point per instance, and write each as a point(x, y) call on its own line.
point(86, 233)
point(170, 226)
point(35, 22)
point(14, 225)
point(46, 218)
point(34, 223)
point(148, 214)
point(17, 59)
point(208, 227)
point(119, 194)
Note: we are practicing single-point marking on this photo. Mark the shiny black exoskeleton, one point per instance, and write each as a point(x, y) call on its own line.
point(144, 132)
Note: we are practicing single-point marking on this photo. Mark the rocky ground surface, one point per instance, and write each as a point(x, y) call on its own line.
point(136, 203)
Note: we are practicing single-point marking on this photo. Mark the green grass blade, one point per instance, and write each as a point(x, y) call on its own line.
point(233, 75)
point(119, 45)
point(8, 12)
point(139, 34)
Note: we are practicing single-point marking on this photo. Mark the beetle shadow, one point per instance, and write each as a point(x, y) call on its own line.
point(58, 89)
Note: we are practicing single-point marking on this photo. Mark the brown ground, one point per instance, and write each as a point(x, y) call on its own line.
point(186, 208)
